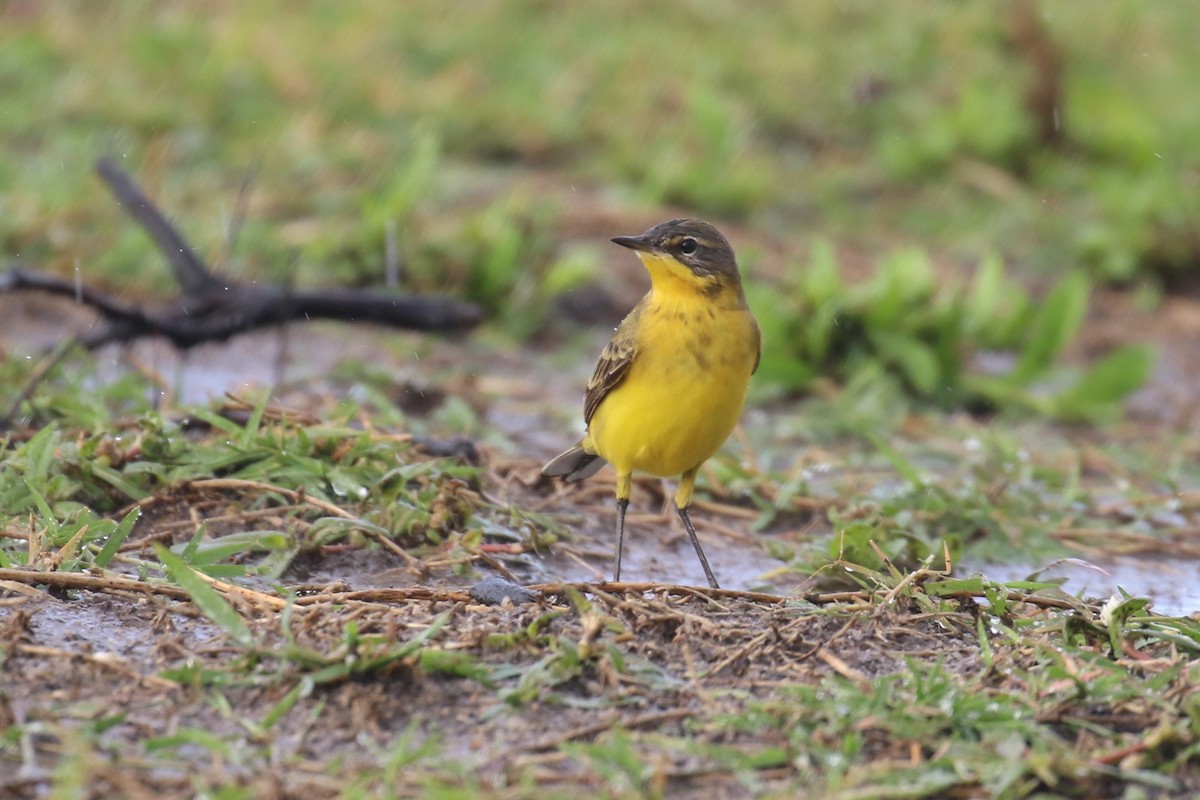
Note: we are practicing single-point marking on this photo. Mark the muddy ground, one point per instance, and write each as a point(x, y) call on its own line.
point(703, 660)
point(137, 669)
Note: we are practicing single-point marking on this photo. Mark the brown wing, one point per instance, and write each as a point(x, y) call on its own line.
point(613, 365)
point(757, 346)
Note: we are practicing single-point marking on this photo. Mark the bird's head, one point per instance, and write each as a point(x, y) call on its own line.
point(687, 250)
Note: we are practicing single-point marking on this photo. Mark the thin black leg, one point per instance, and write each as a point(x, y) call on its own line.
point(622, 504)
point(708, 573)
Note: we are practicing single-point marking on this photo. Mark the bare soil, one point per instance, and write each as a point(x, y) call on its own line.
point(129, 662)
point(101, 655)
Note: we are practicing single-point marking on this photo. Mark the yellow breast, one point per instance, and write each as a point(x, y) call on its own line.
point(684, 391)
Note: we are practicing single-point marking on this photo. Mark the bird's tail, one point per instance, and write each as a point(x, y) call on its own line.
point(574, 465)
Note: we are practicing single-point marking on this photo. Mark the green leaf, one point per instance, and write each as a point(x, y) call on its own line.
point(409, 185)
point(978, 584)
point(917, 361)
point(117, 538)
point(1055, 324)
point(213, 550)
point(908, 471)
point(822, 323)
point(215, 420)
point(52, 526)
point(189, 737)
point(118, 482)
point(1108, 381)
point(457, 663)
point(189, 550)
point(984, 298)
point(902, 285)
point(1002, 393)
point(255, 421)
point(285, 704)
point(1117, 614)
point(39, 452)
point(822, 281)
point(207, 599)
point(972, 585)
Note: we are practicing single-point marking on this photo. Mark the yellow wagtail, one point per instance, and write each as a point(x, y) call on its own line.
point(669, 388)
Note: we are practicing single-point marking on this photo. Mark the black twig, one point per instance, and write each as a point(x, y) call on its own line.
point(190, 272)
point(213, 307)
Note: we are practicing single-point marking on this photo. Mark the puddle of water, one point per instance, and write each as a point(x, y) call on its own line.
point(304, 354)
point(539, 423)
point(1172, 585)
point(101, 625)
point(663, 554)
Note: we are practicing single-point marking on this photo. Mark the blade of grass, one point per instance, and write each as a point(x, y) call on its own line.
point(206, 598)
point(117, 538)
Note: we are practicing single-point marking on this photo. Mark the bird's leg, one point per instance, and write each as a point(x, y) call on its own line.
point(624, 484)
point(708, 573)
point(683, 499)
point(622, 504)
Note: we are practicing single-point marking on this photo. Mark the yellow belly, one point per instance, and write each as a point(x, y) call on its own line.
point(683, 393)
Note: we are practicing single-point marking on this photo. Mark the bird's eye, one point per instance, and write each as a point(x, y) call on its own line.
point(688, 246)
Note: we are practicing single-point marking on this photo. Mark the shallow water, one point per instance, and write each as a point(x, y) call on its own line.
point(535, 408)
point(1172, 584)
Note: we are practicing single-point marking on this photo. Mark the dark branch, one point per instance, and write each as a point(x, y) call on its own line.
point(18, 278)
point(212, 308)
point(191, 273)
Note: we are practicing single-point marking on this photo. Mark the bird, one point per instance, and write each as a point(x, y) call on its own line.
point(669, 387)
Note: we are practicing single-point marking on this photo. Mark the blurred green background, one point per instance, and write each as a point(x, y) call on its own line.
point(910, 121)
point(504, 141)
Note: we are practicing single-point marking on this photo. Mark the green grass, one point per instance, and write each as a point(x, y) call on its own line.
point(90, 459)
point(926, 334)
point(464, 137)
point(351, 125)
point(906, 125)
point(499, 144)
point(1009, 688)
point(973, 486)
point(871, 484)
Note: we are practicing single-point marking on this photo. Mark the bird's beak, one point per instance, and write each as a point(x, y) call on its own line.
point(640, 243)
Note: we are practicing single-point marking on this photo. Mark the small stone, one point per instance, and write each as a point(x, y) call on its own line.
point(493, 591)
